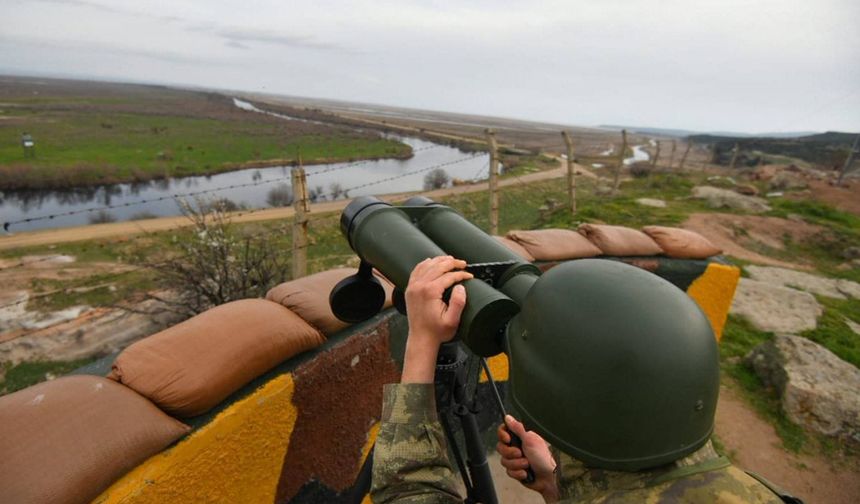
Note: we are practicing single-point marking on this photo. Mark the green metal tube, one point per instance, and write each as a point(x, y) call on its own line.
point(385, 237)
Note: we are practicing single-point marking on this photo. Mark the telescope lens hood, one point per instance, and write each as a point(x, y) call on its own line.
point(351, 212)
point(356, 298)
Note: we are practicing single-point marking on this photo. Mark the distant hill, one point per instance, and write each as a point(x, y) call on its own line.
point(827, 149)
point(685, 133)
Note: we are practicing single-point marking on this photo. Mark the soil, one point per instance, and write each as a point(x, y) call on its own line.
point(735, 234)
point(845, 198)
point(752, 444)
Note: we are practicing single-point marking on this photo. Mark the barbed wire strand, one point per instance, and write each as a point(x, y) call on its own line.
point(247, 212)
point(8, 224)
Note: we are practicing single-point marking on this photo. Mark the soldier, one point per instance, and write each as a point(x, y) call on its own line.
point(651, 454)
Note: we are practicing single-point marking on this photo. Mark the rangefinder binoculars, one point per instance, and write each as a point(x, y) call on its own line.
point(393, 239)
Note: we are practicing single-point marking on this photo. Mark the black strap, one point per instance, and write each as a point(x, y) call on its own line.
point(782, 494)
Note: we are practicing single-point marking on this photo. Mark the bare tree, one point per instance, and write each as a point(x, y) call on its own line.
point(436, 179)
point(216, 264)
point(280, 195)
point(336, 190)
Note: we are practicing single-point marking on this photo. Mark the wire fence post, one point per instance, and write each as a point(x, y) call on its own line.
point(620, 163)
point(571, 172)
point(735, 153)
point(850, 159)
point(300, 220)
point(684, 157)
point(656, 156)
point(672, 154)
point(494, 182)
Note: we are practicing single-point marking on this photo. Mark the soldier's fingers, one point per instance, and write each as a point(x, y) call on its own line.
point(443, 264)
point(517, 474)
point(506, 451)
point(513, 464)
point(515, 426)
point(503, 435)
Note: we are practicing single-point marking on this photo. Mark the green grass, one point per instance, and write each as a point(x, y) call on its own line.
point(26, 374)
point(82, 142)
point(842, 230)
point(832, 331)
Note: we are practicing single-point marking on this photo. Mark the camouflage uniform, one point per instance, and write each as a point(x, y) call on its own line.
point(410, 465)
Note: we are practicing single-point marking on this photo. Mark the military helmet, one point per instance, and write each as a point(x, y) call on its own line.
point(613, 365)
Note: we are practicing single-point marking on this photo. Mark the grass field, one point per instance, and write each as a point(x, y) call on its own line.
point(104, 134)
point(520, 210)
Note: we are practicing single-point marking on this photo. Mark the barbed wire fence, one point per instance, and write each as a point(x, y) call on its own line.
point(311, 218)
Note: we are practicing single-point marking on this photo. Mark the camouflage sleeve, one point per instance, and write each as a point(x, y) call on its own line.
point(410, 460)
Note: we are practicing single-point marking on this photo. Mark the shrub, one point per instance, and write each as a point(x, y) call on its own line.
point(280, 195)
point(102, 217)
point(436, 179)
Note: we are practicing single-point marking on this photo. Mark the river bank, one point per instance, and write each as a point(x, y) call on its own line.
point(110, 133)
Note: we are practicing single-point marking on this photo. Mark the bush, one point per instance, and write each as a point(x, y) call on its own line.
point(280, 196)
point(436, 179)
point(102, 217)
point(640, 169)
point(143, 216)
point(216, 264)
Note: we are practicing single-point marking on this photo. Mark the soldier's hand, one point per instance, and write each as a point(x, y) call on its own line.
point(431, 321)
point(430, 318)
point(534, 453)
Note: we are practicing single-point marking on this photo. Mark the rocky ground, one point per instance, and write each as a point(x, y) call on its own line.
point(799, 299)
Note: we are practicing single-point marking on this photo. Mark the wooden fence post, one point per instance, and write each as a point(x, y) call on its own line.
point(656, 156)
point(848, 161)
point(300, 220)
point(571, 172)
point(735, 153)
point(684, 157)
point(672, 155)
point(494, 182)
point(620, 163)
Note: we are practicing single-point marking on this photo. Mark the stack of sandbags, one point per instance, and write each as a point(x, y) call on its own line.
point(308, 298)
point(682, 243)
point(619, 241)
point(601, 239)
point(190, 367)
point(515, 247)
point(66, 440)
point(554, 244)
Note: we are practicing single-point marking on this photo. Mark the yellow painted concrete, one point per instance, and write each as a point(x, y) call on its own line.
point(713, 291)
point(236, 458)
point(498, 366)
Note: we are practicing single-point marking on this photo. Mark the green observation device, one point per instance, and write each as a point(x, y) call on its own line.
point(611, 364)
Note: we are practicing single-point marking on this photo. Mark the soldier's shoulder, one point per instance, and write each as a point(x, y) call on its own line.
point(728, 485)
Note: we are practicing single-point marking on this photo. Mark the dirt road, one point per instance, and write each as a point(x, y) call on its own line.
point(130, 228)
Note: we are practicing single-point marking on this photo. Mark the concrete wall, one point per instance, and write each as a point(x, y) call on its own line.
point(300, 432)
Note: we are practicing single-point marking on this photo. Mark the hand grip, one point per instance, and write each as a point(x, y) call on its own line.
point(516, 442)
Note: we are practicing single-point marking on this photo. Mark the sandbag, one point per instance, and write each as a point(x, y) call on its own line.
point(682, 243)
point(515, 247)
point(66, 440)
point(620, 240)
point(190, 367)
point(308, 297)
point(554, 244)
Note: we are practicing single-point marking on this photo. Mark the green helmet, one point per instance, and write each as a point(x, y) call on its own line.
point(613, 365)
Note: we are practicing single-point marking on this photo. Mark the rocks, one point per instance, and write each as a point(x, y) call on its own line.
point(830, 287)
point(775, 308)
point(650, 202)
point(724, 198)
point(818, 389)
point(747, 190)
point(787, 180)
point(851, 253)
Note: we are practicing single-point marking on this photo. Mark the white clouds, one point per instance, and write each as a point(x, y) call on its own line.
point(729, 64)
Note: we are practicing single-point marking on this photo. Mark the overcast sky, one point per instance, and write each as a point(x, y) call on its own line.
point(742, 65)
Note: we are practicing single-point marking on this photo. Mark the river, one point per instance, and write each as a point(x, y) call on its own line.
point(249, 188)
